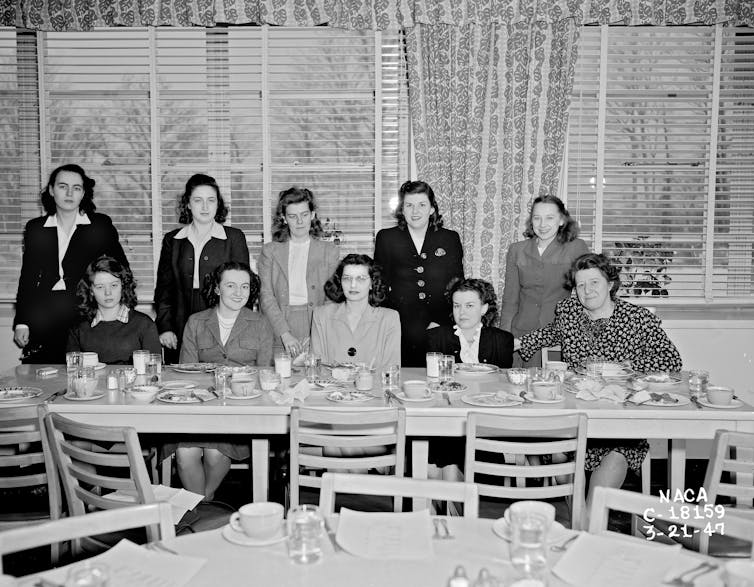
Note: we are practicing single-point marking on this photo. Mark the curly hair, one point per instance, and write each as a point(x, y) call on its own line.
point(87, 202)
point(334, 285)
point(595, 261)
point(418, 187)
point(87, 304)
point(567, 232)
point(294, 195)
point(484, 290)
point(195, 181)
point(212, 282)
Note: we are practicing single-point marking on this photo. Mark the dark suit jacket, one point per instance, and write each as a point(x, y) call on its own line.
point(175, 274)
point(495, 345)
point(417, 282)
point(39, 267)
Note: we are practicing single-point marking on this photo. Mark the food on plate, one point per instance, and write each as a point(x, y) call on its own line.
point(663, 398)
point(658, 378)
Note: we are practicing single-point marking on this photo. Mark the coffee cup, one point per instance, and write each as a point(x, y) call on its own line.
point(531, 507)
point(719, 395)
point(544, 390)
point(260, 520)
point(89, 359)
point(415, 388)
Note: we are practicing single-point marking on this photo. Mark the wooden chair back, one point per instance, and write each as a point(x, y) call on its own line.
point(398, 487)
point(157, 515)
point(362, 440)
point(521, 442)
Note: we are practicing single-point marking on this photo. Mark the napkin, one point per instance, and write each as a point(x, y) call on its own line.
point(383, 536)
point(129, 564)
point(286, 396)
point(598, 560)
point(611, 392)
point(180, 500)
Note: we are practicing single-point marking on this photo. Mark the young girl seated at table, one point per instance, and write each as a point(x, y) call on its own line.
point(111, 327)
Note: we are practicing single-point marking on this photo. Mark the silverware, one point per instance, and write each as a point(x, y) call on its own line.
point(437, 534)
point(564, 546)
point(526, 400)
point(691, 575)
point(447, 397)
point(160, 547)
point(56, 395)
point(213, 392)
point(390, 394)
point(448, 534)
point(695, 401)
point(42, 582)
point(331, 535)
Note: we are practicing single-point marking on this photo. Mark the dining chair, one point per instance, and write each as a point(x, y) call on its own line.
point(659, 514)
point(362, 439)
point(157, 515)
point(26, 463)
point(90, 471)
point(398, 487)
point(504, 456)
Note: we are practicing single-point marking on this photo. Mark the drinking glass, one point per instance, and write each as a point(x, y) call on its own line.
point(73, 361)
point(311, 365)
point(445, 366)
point(88, 574)
point(594, 367)
point(283, 364)
point(154, 369)
point(391, 378)
point(529, 545)
point(223, 375)
point(305, 530)
point(140, 360)
point(84, 382)
point(698, 379)
point(433, 364)
point(269, 380)
point(126, 378)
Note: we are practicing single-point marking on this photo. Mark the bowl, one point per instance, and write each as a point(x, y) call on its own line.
point(530, 507)
point(518, 376)
point(344, 373)
point(143, 394)
point(719, 395)
point(415, 388)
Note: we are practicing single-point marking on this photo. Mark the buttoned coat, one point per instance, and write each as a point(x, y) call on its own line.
point(495, 345)
point(417, 282)
point(249, 343)
point(534, 284)
point(273, 273)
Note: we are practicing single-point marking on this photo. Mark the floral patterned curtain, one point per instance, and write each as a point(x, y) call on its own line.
point(69, 15)
point(489, 111)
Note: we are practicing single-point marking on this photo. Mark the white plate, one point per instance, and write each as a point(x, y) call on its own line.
point(327, 382)
point(682, 401)
point(734, 403)
point(99, 366)
point(193, 367)
point(652, 380)
point(254, 395)
point(475, 369)
point(241, 539)
point(490, 400)
point(555, 400)
point(401, 395)
point(177, 397)
point(75, 398)
point(179, 385)
point(457, 387)
point(624, 373)
point(13, 394)
point(350, 397)
point(557, 533)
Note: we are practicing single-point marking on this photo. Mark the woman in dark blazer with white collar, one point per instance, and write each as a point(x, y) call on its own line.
point(294, 268)
point(189, 255)
point(57, 248)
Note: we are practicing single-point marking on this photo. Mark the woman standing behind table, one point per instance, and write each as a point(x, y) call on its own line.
point(473, 339)
point(354, 329)
point(293, 269)
point(57, 248)
point(111, 326)
point(189, 255)
point(419, 258)
point(227, 332)
point(536, 268)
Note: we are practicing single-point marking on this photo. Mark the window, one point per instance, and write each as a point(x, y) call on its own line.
point(660, 158)
point(258, 108)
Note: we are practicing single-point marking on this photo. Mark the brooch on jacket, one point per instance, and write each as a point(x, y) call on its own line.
point(440, 252)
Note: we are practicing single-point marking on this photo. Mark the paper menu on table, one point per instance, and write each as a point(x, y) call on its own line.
point(129, 564)
point(180, 500)
point(599, 560)
point(386, 535)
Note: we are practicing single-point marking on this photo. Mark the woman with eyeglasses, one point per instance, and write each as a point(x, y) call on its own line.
point(293, 269)
point(355, 329)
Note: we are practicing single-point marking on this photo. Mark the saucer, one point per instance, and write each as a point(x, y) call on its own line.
point(557, 531)
point(491, 400)
point(253, 395)
point(554, 400)
point(99, 366)
point(401, 395)
point(734, 403)
point(74, 398)
point(241, 539)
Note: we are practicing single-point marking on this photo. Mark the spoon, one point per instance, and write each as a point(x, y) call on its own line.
point(563, 547)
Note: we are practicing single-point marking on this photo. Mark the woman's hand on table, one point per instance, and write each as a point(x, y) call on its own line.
point(21, 335)
point(293, 345)
point(169, 340)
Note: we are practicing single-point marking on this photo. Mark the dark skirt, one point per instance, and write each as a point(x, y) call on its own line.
point(235, 451)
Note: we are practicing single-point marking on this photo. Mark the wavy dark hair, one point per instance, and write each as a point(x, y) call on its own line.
point(334, 285)
point(567, 232)
point(595, 261)
point(195, 181)
point(418, 187)
point(87, 304)
point(87, 202)
point(212, 282)
point(294, 195)
point(484, 290)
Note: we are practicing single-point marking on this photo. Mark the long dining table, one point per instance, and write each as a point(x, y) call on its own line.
point(440, 416)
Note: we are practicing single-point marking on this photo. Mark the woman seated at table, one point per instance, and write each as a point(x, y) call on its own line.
point(354, 329)
point(227, 332)
point(111, 326)
point(473, 338)
point(596, 323)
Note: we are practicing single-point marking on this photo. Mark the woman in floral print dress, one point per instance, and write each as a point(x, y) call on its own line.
point(595, 323)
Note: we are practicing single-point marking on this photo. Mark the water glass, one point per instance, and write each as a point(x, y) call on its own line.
point(154, 369)
point(594, 366)
point(283, 363)
point(84, 382)
point(311, 365)
point(88, 574)
point(391, 378)
point(73, 361)
point(306, 526)
point(223, 376)
point(269, 380)
point(698, 379)
point(529, 545)
point(126, 378)
point(445, 365)
point(140, 360)
point(433, 364)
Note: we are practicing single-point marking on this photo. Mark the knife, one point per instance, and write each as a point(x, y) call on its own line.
point(55, 395)
point(331, 535)
point(447, 397)
point(695, 401)
point(390, 394)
